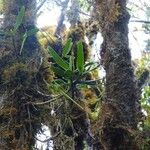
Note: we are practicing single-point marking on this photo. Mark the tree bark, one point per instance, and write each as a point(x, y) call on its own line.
point(61, 26)
point(73, 15)
point(120, 109)
point(13, 43)
point(19, 119)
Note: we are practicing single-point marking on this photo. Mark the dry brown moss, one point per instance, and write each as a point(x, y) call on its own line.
point(17, 74)
point(78, 33)
point(107, 11)
point(20, 121)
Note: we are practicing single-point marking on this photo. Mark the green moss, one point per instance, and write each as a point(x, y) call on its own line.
point(46, 36)
point(78, 33)
point(16, 72)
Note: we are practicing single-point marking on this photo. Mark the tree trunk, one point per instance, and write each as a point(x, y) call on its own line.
point(19, 119)
point(73, 15)
point(119, 110)
point(13, 43)
point(60, 27)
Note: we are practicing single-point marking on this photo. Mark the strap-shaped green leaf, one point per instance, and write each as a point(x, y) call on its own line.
point(58, 71)
point(62, 63)
point(19, 18)
point(67, 47)
point(80, 57)
point(68, 74)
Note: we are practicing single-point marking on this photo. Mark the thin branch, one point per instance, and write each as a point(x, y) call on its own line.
point(58, 3)
point(136, 5)
point(140, 21)
point(38, 8)
point(46, 102)
point(37, 94)
point(83, 13)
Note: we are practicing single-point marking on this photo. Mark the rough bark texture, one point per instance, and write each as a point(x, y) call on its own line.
point(73, 14)
point(12, 44)
point(19, 119)
point(119, 111)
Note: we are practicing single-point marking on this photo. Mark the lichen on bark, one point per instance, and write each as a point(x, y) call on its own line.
point(119, 111)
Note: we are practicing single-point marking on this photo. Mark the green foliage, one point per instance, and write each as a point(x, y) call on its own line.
point(67, 47)
point(19, 19)
point(1, 6)
point(84, 4)
point(146, 104)
point(65, 66)
point(17, 24)
point(145, 64)
point(80, 57)
point(61, 62)
point(71, 72)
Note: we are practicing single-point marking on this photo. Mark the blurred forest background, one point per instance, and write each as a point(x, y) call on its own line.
point(67, 78)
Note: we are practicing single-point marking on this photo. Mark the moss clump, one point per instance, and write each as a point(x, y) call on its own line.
point(114, 13)
point(78, 33)
point(17, 73)
point(107, 13)
point(19, 119)
point(46, 36)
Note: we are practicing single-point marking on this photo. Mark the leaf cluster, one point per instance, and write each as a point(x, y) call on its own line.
point(70, 70)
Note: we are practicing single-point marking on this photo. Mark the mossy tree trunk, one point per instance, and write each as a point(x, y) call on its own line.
point(19, 118)
point(13, 43)
point(119, 111)
point(74, 15)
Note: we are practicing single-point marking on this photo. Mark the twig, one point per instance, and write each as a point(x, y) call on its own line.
point(37, 94)
point(83, 13)
point(46, 102)
point(38, 8)
point(140, 21)
point(67, 96)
